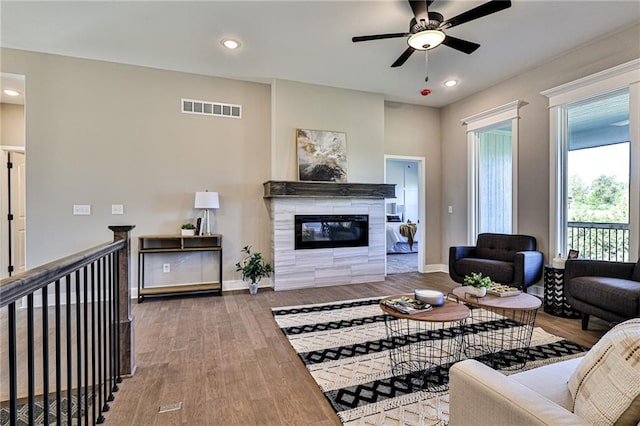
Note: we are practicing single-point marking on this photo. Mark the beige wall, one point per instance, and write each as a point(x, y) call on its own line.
point(11, 125)
point(100, 133)
point(413, 130)
point(533, 162)
point(305, 106)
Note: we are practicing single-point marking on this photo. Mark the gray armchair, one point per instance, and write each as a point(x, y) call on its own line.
point(507, 259)
point(608, 290)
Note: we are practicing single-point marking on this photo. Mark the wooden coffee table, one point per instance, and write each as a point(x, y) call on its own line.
point(504, 327)
point(424, 343)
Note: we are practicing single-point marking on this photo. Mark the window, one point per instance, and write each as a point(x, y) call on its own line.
point(492, 139)
point(595, 166)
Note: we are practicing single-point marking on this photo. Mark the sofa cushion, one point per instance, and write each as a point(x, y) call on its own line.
point(499, 271)
point(606, 384)
point(636, 272)
point(503, 246)
point(607, 293)
point(550, 381)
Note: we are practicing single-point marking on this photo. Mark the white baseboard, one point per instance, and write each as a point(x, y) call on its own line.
point(230, 285)
point(437, 267)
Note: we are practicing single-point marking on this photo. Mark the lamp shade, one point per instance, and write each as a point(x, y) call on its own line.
point(207, 200)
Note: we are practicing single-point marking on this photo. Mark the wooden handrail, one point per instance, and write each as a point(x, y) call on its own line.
point(24, 283)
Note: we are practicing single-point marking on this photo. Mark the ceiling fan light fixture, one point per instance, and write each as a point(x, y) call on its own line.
point(427, 39)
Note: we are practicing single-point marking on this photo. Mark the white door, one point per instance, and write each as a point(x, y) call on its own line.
point(18, 207)
point(13, 206)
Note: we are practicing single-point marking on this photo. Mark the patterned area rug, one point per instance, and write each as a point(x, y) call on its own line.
point(345, 348)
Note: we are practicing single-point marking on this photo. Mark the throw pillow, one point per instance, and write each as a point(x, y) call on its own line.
point(606, 385)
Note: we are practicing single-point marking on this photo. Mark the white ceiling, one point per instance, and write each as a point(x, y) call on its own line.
point(310, 41)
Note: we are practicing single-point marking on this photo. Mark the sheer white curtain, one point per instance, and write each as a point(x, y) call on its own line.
point(494, 180)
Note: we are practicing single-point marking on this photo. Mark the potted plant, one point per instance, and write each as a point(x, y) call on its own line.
point(253, 268)
point(476, 284)
point(188, 229)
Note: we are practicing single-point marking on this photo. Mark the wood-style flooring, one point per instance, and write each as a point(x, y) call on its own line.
point(228, 363)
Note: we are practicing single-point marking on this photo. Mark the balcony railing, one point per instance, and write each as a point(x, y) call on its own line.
point(599, 241)
point(67, 336)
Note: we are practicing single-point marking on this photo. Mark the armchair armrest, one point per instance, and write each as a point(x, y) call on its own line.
point(527, 268)
point(480, 396)
point(456, 253)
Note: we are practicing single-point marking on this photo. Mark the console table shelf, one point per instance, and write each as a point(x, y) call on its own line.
point(155, 244)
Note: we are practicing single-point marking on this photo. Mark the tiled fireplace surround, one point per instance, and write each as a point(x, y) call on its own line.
point(326, 266)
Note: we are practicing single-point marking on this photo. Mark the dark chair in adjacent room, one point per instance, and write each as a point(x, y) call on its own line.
point(507, 259)
point(608, 290)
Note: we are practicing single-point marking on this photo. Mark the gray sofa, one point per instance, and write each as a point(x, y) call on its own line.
point(506, 258)
point(608, 290)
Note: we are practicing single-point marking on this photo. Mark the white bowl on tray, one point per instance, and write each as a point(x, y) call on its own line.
point(432, 297)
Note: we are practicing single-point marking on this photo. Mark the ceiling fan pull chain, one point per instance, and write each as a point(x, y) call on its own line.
point(426, 65)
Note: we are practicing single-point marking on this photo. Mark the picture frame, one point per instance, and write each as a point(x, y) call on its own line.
point(322, 155)
point(573, 254)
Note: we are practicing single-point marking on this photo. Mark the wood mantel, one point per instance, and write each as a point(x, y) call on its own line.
point(273, 189)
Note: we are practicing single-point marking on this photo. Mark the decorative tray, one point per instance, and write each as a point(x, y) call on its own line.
point(502, 290)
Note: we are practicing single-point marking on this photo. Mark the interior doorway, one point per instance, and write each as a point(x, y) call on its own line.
point(404, 230)
point(12, 177)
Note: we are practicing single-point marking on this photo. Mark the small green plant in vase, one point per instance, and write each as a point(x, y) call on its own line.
point(188, 229)
point(476, 284)
point(253, 268)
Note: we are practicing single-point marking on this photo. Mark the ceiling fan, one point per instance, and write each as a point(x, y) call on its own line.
point(426, 28)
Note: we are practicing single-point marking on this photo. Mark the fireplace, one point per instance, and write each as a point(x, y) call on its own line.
point(331, 231)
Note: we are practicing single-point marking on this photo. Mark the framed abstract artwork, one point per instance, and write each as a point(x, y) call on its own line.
point(322, 155)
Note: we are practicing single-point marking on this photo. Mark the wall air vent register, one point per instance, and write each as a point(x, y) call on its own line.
point(217, 109)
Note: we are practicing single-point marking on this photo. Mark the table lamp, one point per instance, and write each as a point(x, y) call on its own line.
point(207, 200)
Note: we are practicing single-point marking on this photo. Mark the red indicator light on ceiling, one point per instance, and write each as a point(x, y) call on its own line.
point(425, 92)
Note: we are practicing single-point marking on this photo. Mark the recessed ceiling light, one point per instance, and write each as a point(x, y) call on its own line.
point(10, 92)
point(450, 83)
point(230, 44)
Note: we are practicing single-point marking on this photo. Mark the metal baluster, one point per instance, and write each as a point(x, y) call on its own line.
point(30, 361)
point(100, 418)
point(69, 352)
point(93, 344)
point(58, 356)
point(13, 367)
point(85, 321)
point(105, 335)
point(112, 386)
point(78, 348)
point(45, 353)
point(117, 305)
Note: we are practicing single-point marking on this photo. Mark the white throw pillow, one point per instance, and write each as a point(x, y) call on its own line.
point(606, 385)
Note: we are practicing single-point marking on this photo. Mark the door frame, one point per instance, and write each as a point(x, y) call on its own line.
point(4, 208)
point(421, 206)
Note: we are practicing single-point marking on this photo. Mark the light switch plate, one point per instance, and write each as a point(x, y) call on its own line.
point(81, 209)
point(117, 209)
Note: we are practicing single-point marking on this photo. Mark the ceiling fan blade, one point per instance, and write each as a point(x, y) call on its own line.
point(465, 46)
point(419, 8)
point(378, 37)
point(403, 58)
point(477, 12)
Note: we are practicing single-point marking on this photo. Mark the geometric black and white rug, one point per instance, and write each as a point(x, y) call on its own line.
point(345, 349)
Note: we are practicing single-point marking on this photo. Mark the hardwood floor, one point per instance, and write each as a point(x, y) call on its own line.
point(229, 364)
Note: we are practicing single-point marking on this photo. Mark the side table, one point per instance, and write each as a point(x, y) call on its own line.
point(555, 303)
point(421, 343)
point(502, 328)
